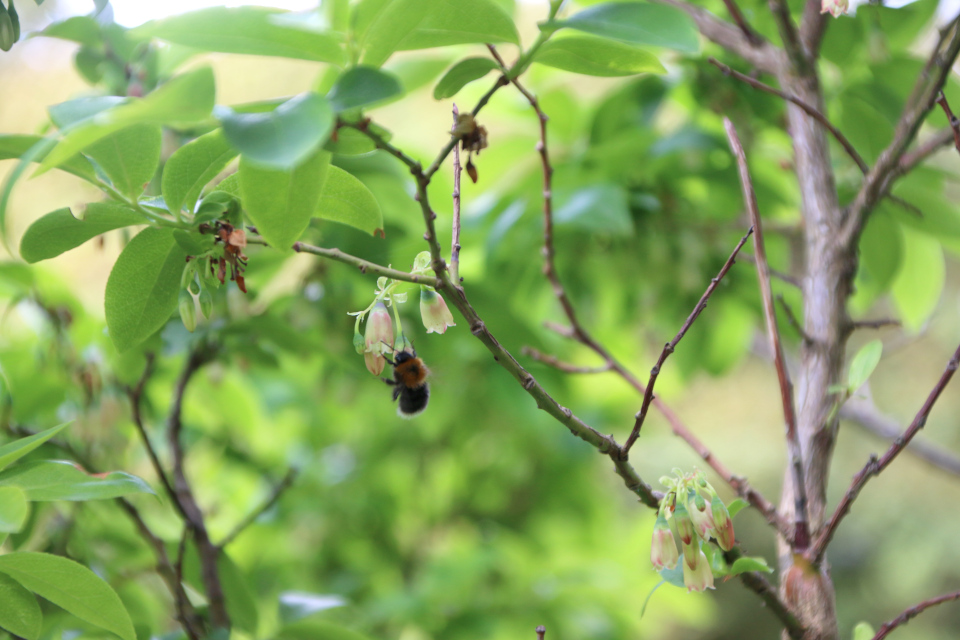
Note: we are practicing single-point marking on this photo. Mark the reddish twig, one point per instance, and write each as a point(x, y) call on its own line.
point(559, 365)
point(207, 551)
point(874, 466)
point(752, 36)
point(541, 632)
point(810, 110)
point(455, 243)
point(672, 345)
point(913, 612)
point(952, 119)
point(792, 320)
point(874, 324)
point(779, 275)
point(801, 534)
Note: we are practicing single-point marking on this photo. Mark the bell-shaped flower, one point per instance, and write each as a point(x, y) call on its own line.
point(663, 550)
point(834, 7)
point(685, 529)
point(379, 334)
point(723, 525)
point(698, 577)
point(436, 316)
point(702, 517)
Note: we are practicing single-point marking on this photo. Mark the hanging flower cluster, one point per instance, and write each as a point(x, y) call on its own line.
point(383, 334)
point(692, 513)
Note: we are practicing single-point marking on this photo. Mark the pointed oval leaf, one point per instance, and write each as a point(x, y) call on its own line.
point(192, 166)
point(82, 29)
point(13, 451)
point(593, 56)
point(462, 74)
point(282, 138)
point(637, 23)
point(143, 286)
point(17, 146)
point(71, 586)
point(44, 480)
point(129, 157)
point(381, 25)
point(281, 203)
point(917, 287)
point(60, 231)
point(863, 364)
point(184, 99)
point(250, 30)
point(362, 86)
point(347, 200)
point(71, 112)
point(452, 22)
point(13, 510)
point(736, 507)
point(20, 613)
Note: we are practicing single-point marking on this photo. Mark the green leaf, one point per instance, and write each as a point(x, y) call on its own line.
point(736, 507)
point(381, 25)
point(753, 563)
point(20, 613)
point(347, 200)
point(863, 631)
point(71, 112)
point(452, 22)
point(16, 146)
point(636, 23)
point(143, 286)
point(600, 208)
point(71, 586)
point(917, 288)
point(597, 57)
point(13, 451)
point(863, 364)
point(192, 166)
point(284, 137)
point(60, 231)
point(250, 30)
point(185, 99)
point(45, 480)
point(881, 249)
point(361, 86)
point(674, 576)
point(462, 74)
point(129, 157)
point(82, 29)
point(13, 510)
point(281, 203)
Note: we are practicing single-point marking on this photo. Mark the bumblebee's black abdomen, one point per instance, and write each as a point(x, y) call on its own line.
point(413, 401)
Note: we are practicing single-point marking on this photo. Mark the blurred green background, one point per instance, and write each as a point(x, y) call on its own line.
point(483, 518)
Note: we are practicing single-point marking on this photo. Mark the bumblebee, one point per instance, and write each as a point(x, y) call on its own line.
point(409, 383)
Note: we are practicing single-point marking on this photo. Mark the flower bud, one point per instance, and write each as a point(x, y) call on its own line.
point(702, 517)
point(722, 524)
point(834, 7)
point(188, 310)
point(663, 550)
point(698, 577)
point(206, 303)
point(685, 529)
point(379, 333)
point(436, 316)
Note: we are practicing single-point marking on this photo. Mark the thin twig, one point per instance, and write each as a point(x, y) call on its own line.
point(136, 395)
point(926, 149)
point(271, 500)
point(792, 320)
point(789, 35)
point(560, 365)
point(455, 242)
point(864, 413)
point(752, 36)
point(951, 119)
point(913, 612)
point(672, 345)
point(812, 111)
point(921, 101)
point(206, 550)
point(541, 632)
point(779, 275)
point(874, 466)
point(874, 324)
point(801, 534)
